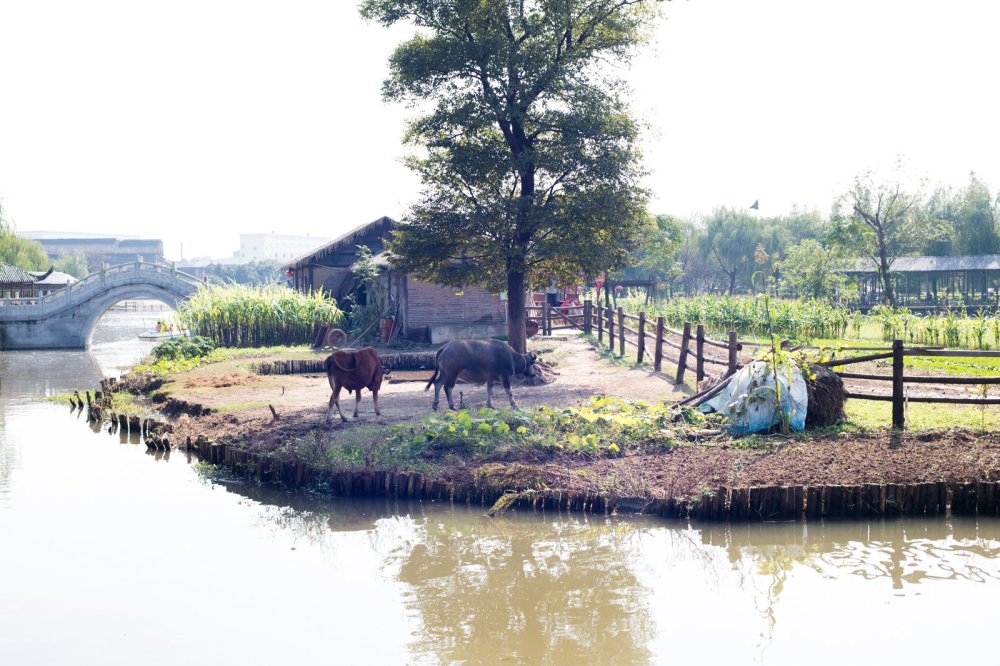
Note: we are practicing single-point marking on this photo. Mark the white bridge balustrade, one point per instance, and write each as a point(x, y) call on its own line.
point(65, 319)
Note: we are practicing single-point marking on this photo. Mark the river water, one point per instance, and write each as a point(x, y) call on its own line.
point(109, 555)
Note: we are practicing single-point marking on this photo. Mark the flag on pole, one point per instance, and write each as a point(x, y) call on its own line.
point(756, 204)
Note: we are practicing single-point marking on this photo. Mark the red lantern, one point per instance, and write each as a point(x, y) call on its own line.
point(289, 273)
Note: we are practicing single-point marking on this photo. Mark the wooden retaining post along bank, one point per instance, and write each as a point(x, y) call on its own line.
point(755, 504)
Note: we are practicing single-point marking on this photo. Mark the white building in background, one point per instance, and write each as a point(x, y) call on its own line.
point(272, 246)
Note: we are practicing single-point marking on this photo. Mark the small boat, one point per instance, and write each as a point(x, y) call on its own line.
point(153, 334)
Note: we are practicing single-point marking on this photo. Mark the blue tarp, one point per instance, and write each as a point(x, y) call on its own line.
point(748, 401)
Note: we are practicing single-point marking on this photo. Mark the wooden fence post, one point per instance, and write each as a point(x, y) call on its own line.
point(588, 323)
point(642, 338)
point(733, 349)
point(683, 354)
point(658, 347)
point(600, 324)
point(621, 331)
point(699, 347)
point(611, 329)
point(898, 413)
point(546, 318)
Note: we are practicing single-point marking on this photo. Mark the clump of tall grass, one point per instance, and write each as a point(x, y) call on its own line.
point(950, 329)
point(256, 316)
point(753, 315)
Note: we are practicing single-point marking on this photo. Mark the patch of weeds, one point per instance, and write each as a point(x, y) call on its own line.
point(601, 427)
point(517, 476)
point(61, 398)
point(756, 442)
point(353, 448)
point(165, 367)
point(481, 432)
point(620, 481)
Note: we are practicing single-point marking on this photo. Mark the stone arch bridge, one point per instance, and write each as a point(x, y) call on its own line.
point(65, 319)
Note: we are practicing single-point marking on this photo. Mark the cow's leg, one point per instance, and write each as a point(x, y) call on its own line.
point(506, 387)
point(357, 403)
point(336, 401)
point(437, 393)
point(333, 402)
point(489, 394)
point(375, 400)
point(447, 392)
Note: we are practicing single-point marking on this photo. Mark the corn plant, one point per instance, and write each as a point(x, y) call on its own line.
point(256, 316)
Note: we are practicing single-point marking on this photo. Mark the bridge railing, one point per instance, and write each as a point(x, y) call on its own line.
point(96, 282)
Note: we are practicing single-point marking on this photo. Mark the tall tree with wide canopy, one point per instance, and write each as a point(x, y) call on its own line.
point(881, 219)
point(529, 165)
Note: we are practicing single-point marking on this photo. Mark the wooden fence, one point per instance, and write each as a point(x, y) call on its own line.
point(687, 349)
point(899, 379)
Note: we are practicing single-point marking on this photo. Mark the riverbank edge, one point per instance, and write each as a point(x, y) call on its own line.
point(746, 504)
point(498, 486)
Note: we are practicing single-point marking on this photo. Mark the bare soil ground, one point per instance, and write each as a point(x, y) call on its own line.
point(240, 412)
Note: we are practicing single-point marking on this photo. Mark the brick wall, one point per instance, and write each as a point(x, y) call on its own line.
point(430, 304)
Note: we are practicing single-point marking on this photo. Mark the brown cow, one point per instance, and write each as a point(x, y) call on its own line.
point(353, 369)
point(478, 361)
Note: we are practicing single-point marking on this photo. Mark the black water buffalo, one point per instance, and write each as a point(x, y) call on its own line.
point(353, 369)
point(478, 361)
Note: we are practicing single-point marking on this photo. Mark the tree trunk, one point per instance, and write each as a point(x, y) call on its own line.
point(515, 311)
point(888, 294)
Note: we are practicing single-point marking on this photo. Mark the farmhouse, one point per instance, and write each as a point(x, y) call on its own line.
point(16, 284)
point(418, 309)
point(969, 281)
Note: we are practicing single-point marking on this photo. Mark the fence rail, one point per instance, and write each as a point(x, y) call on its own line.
point(691, 353)
point(689, 343)
point(898, 397)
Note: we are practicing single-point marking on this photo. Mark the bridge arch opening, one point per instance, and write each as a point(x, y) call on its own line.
point(131, 319)
point(108, 305)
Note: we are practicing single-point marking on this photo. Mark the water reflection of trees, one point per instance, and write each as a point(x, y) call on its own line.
point(534, 590)
point(531, 591)
point(903, 553)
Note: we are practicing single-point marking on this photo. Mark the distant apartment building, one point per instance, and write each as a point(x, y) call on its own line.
point(99, 250)
point(271, 247)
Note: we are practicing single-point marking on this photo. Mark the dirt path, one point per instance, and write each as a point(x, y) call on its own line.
point(241, 400)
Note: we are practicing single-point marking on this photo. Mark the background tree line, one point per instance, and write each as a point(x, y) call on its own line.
point(802, 253)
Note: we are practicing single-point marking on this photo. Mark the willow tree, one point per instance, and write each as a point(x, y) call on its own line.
point(528, 159)
point(24, 253)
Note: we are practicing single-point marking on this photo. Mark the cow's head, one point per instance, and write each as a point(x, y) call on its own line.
point(529, 364)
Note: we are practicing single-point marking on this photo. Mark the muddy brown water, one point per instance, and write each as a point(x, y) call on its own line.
point(112, 556)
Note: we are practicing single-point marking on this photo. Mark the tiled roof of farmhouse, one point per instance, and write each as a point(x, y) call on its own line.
point(347, 242)
point(976, 262)
point(12, 274)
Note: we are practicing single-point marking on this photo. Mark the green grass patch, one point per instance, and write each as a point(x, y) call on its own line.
point(601, 427)
point(865, 415)
point(239, 406)
point(363, 447)
point(121, 403)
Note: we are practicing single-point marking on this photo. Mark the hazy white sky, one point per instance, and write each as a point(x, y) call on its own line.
point(195, 121)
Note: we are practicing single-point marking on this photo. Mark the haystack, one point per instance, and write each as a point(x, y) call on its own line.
point(826, 398)
point(544, 374)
